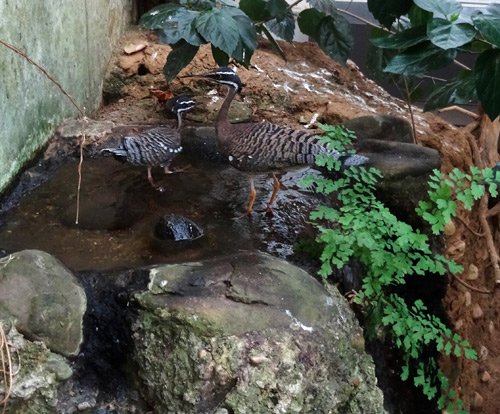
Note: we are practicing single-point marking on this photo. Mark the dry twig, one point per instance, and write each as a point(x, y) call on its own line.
point(6, 371)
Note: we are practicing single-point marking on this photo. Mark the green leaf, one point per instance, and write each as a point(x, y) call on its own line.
point(335, 38)
point(325, 6)
point(420, 59)
point(247, 31)
point(182, 53)
point(255, 9)
point(442, 7)
point(285, 28)
point(418, 16)
point(487, 80)
point(459, 90)
point(220, 57)
point(489, 27)
point(447, 35)
point(387, 11)
point(309, 21)
point(219, 28)
point(156, 17)
point(278, 9)
point(180, 26)
point(403, 39)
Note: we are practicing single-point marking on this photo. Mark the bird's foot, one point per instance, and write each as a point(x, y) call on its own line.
point(169, 171)
point(247, 213)
point(268, 211)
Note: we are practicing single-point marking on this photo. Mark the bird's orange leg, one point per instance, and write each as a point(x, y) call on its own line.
point(150, 178)
point(276, 187)
point(253, 193)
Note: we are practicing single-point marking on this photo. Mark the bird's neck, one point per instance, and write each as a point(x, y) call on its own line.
point(179, 120)
point(221, 121)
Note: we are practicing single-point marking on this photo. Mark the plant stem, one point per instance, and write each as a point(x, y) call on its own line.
point(72, 100)
point(20, 52)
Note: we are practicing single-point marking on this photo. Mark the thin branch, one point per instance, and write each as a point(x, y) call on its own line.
point(490, 243)
point(20, 52)
point(294, 4)
point(472, 288)
point(460, 109)
point(408, 102)
point(362, 19)
point(493, 211)
point(469, 228)
point(82, 143)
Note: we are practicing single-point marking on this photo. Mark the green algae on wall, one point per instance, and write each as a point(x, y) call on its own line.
point(72, 40)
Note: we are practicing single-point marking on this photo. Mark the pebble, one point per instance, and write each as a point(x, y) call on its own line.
point(473, 272)
point(483, 353)
point(459, 324)
point(477, 312)
point(468, 298)
point(485, 377)
point(356, 381)
point(478, 400)
point(258, 359)
point(450, 228)
point(84, 406)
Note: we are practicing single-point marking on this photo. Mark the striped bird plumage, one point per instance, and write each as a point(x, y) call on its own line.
point(156, 147)
point(264, 146)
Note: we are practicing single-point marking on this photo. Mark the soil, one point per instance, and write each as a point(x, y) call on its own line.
point(307, 89)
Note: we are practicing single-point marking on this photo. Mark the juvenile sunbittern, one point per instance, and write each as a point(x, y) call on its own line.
point(156, 147)
point(262, 146)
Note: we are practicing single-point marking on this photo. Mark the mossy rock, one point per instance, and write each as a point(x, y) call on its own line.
point(250, 333)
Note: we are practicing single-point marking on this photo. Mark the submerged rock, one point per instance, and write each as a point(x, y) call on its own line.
point(44, 299)
point(177, 228)
point(249, 333)
point(382, 127)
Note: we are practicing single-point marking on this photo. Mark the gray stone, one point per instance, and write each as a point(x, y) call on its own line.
point(38, 373)
point(250, 333)
point(44, 299)
point(383, 127)
point(75, 51)
point(406, 169)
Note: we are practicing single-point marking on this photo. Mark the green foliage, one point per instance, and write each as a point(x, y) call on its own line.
point(390, 250)
point(432, 35)
point(231, 28)
point(466, 188)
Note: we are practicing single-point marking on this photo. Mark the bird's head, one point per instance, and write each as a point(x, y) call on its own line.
point(181, 103)
point(223, 76)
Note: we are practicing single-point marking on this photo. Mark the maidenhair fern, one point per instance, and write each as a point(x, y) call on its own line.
point(390, 250)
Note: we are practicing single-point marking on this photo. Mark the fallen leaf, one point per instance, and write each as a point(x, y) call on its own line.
point(162, 96)
point(131, 48)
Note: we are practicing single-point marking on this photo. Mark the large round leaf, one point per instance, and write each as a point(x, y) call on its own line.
point(278, 9)
point(285, 28)
point(440, 7)
point(459, 90)
point(219, 28)
point(335, 38)
point(255, 9)
point(309, 21)
point(489, 27)
point(180, 25)
point(247, 32)
point(387, 11)
point(156, 17)
point(487, 80)
point(182, 53)
point(448, 35)
point(420, 59)
point(325, 6)
point(402, 40)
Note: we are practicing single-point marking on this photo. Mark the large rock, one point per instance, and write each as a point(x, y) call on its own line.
point(37, 374)
point(43, 298)
point(249, 333)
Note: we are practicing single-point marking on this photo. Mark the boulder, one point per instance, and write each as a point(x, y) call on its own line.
point(382, 127)
point(38, 373)
point(44, 299)
point(249, 333)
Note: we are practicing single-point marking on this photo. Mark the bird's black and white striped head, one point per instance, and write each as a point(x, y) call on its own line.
point(223, 76)
point(181, 103)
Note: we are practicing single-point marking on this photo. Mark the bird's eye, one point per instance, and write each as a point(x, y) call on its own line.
point(218, 75)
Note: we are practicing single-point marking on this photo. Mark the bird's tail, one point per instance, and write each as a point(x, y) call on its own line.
point(120, 152)
point(349, 160)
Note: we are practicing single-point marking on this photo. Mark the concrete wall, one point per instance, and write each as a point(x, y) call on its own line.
point(72, 40)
